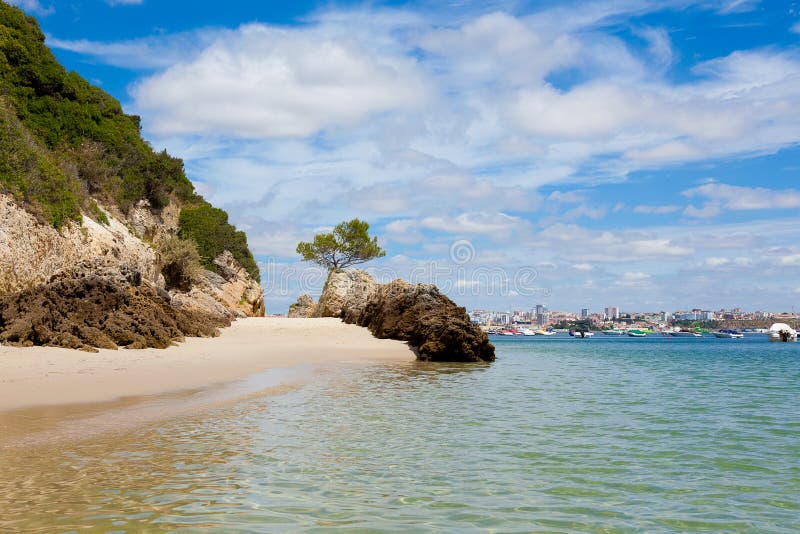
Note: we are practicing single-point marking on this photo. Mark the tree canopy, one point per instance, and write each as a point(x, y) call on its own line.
point(348, 244)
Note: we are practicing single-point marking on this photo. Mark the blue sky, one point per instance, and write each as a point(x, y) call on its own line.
point(584, 154)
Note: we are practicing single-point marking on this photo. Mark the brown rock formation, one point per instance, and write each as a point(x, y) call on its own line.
point(232, 293)
point(345, 289)
point(303, 308)
point(99, 306)
point(420, 314)
point(72, 287)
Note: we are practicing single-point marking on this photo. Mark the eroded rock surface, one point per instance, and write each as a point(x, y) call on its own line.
point(420, 314)
point(303, 308)
point(345, 289)
point(101, 306)
point(73, 288)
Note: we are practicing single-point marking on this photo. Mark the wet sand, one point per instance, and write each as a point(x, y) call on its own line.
point(46, 376)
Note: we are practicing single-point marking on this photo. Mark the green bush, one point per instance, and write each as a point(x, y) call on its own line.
point(27, 173)
point(209, 228)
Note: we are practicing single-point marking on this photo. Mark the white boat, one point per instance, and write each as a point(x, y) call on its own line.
point(614, 332)
point(580, 334)
point(528, 332)
point(685, 333)
point(728, 334)
point(782, 332)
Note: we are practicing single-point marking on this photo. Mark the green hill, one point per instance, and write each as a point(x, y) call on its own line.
point(64, 142)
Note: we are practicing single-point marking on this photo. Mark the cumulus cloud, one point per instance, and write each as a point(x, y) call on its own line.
point(265, 82)
point(656, 210)
point(608, 246)
point(730, 197)
point(474, 223)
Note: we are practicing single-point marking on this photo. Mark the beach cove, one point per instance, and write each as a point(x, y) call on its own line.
point(40, 376)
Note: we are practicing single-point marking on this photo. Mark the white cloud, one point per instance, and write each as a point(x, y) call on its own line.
point(33, 6)
point(474, 223)
point(657, 210)
point(795, 27)
point(124, 2)
point(732, 197)
point(738, 6)
point(710, 209)
point(582, 244)
point(148, 53)
point(267, 82)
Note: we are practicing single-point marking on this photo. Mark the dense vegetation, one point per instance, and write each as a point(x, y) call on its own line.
point(208, 227)
point(64, 142)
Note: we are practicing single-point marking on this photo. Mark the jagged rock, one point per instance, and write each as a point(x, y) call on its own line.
point(231, 293)
point(31, 252)
point(153, 225)
point(303, 308)
point(98, 305)
point(420, 314)
point(344, 289)
point(33, 256)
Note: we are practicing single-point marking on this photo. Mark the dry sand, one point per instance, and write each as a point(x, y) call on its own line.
point(40, 376)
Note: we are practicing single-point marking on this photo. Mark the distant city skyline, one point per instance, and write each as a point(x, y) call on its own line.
point(643, 153)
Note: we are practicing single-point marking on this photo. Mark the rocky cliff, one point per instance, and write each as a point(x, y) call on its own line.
point(103, 241)
point(420, 314)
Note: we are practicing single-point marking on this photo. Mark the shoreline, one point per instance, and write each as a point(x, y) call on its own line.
point(33, 377)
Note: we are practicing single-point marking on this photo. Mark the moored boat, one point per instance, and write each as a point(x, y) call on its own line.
point(728, 334)
point(580, 334)
point(685, 333)
point(637, 333)
point(782, 332)
point(528, 332)
point(614, 332)
point(542, 332)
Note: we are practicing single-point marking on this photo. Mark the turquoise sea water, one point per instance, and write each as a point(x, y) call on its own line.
point(559, 435)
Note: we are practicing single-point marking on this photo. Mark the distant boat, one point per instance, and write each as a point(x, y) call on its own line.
point(505, 332)
point(782, 332)
point(727, 333)
point(614, 332)
point(528, 332)
point(580, 334)
point(637, 333)
point(542, 332)
point(685, 333)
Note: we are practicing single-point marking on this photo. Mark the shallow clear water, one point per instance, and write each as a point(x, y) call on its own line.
point(559, 435)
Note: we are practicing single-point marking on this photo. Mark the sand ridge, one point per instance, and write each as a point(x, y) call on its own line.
point(39, 376)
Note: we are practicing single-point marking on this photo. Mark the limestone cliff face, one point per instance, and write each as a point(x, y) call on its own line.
point(303, 308)
point(420, 314)
point(31, 253)
point(232, 293)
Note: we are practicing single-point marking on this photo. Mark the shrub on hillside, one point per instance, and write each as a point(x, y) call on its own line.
point(179, 262)
point(209, 228)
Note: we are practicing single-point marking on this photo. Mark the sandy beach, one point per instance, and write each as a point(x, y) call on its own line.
point(41, 376)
